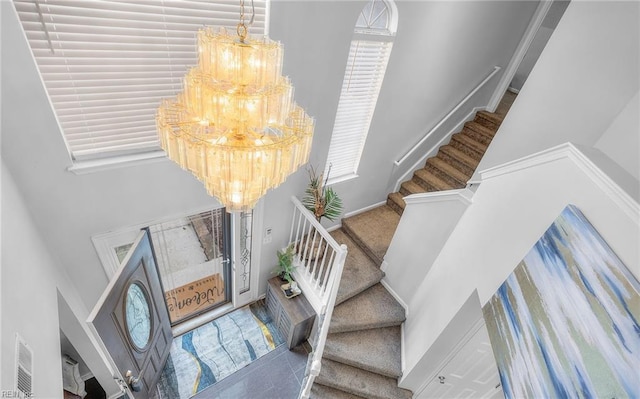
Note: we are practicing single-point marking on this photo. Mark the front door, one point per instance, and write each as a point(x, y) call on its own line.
point(132, 320)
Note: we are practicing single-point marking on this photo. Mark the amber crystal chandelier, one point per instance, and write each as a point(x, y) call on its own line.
point(235, 125)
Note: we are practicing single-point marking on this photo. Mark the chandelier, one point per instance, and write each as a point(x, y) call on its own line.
point(235, 125)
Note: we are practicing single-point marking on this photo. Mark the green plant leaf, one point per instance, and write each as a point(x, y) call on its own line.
point(322, 201)
point(333, 205)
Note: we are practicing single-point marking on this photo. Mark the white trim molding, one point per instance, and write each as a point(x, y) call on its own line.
point(592, 162)
point(366, 208)
point(98, 165)
point(463, 195)
point(518, 55)
point(386, 285)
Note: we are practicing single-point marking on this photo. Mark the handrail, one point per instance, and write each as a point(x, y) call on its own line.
point(320, 261)
point(317, 257)
point(447, 116)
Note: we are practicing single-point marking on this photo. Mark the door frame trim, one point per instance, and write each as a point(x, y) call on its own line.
point(518, 55)
point(105, 242)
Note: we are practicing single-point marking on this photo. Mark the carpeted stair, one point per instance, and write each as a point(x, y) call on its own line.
point(455, 162)
point(362, 355)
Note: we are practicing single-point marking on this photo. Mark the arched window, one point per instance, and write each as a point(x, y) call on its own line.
point(366, 65)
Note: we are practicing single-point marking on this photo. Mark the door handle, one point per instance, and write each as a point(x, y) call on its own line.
point(133, 382)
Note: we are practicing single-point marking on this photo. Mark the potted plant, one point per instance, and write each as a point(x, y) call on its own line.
point(320, 199)
point(285, 266)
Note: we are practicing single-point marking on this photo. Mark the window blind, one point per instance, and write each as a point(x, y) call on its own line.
point(366, 65)
point(107, 64)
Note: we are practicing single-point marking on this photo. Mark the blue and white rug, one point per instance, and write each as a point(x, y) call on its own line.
point(206, 355)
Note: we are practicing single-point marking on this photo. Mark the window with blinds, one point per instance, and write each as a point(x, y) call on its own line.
point(106, 65)
point(364, 73)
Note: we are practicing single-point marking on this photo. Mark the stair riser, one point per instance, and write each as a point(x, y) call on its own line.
point(319, 391)
point(429, 181)
point(331, 384)
point(405, 191)
point(398, 208)
point(339, 299)
point(487, 122)
point(470, 142)
point(463, 165)
point(428, 187)
point(463, 147)
point(360, 365)
point(443, 175)
point(354, 391)
point(410, 187)
point(479, 137)
point(480, 129)
point(361, 244)
point(466, 165)
point(360, 327)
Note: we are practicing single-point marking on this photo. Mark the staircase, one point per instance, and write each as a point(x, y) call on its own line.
point(362, 356)
point(455, 162)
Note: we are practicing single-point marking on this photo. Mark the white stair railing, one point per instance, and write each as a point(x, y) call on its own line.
point(319, 260)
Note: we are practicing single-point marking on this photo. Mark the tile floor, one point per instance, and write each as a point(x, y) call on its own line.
point(276, 375)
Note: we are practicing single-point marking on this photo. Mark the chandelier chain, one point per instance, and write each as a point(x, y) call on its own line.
point(242, 27)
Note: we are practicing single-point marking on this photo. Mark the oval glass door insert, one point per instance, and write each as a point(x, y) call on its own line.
point(138, 316)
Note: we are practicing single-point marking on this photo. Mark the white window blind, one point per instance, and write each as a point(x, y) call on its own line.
point(364, 73)
point(107, 64)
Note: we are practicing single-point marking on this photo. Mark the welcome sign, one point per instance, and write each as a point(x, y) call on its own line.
point(194, 297)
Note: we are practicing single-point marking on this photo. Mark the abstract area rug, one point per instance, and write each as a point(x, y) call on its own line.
point(206, 355)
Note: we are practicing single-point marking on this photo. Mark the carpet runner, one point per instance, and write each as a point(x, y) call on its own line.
point(206, 355)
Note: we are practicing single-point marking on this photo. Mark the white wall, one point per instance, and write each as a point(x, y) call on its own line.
point(425, 226)
point(549, 23)
point(508, 215)
point(581, 90)
point(441, 50)
point(621, 141)
point(76, 207)
point(29, 305)
point(586, 75)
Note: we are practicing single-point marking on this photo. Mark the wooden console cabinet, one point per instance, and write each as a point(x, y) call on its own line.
point(293, 317)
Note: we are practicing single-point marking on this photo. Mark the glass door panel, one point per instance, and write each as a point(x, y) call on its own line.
point(192, 254)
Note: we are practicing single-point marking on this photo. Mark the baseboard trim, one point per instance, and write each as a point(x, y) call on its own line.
point(384, 265)
point(87, 376)
point(334, 227)
point(362, 210)
point(396, 297)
